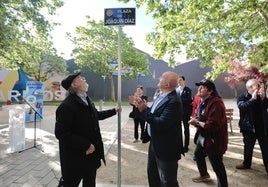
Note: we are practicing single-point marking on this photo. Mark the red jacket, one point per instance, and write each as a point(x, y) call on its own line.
point(195, 103)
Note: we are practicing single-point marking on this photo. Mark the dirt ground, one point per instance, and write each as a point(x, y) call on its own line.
point(134, 162)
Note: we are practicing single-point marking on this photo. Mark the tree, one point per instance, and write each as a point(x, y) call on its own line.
point(239, 73)
point(236, 75)
point(210, 29)
point(43, 61)
point(20, 23)
point(39, 60)
point(47, 65)
point(96, 48)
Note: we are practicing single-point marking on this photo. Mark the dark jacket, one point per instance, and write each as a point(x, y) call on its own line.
point(166, 132)
point(76, 128)
point(215, 130)
point(135, 113)
point(187, 99)
point(253, 112)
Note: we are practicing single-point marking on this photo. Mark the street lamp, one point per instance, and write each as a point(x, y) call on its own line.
point(104, 77)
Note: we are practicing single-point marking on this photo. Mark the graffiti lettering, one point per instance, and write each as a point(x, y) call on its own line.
point(14, 95)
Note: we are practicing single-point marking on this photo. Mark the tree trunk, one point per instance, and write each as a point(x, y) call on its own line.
point(112, 88)
point(235, 92)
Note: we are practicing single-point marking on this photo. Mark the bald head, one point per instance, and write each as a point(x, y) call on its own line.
point(168, 81)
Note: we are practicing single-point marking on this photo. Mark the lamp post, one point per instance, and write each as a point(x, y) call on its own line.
point(104, 77)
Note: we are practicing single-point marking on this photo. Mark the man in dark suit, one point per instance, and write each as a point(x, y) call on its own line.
point(253, 123)
point(77, 129)
point(166, 134)
point(186, 98)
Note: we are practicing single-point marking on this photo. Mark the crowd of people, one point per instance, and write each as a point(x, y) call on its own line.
point(165, 125)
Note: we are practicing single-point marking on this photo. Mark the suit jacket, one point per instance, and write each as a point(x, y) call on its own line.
point(253, 114)
point(187, 99)
point(76, 128)
point(135, 113)
point(166, 131)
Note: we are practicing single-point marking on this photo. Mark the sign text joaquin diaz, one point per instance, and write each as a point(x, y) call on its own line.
point(119, 16)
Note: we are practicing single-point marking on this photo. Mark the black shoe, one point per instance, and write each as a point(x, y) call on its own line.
point(146, 138)
point(185, 149)
point(61, 182)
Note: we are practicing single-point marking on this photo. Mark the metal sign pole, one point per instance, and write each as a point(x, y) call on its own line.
point(119, 105)
point(119, 16)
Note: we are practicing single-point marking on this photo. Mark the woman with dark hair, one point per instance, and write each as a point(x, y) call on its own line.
point(211, 137)
point(136, 115)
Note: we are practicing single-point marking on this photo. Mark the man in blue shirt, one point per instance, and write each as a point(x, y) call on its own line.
point(166, 134)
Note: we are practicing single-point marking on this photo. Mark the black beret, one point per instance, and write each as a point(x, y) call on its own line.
point(67, 81)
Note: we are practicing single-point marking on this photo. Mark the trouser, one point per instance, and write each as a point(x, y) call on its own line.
point(185, 120)
point(161, 173)
point(249, 140)
point(216, 163)
point(138, 122)
point(88, 179)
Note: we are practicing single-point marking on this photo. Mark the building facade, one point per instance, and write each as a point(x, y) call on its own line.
point(100, 87)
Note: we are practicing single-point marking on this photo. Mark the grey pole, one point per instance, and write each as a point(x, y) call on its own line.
point(119, 105)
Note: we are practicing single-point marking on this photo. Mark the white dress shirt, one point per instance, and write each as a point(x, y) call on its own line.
point(156, 102)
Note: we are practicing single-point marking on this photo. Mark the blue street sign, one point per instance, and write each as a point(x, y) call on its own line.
point(119, 16)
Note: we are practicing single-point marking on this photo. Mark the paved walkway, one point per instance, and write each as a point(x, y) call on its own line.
point(39, 166)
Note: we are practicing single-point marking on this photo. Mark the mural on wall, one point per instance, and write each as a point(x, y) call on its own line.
point(53, 91)
point(13, 86)
point(8, 79)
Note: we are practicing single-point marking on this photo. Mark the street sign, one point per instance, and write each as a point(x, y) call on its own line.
point(119, 16)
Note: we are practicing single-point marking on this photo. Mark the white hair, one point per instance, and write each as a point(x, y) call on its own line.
point(251, 82)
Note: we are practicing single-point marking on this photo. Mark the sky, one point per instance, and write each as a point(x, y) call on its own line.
point(73, 14)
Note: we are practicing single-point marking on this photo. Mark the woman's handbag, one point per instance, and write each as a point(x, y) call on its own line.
point(131, 114)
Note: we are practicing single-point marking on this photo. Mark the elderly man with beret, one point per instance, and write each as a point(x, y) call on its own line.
point(77, 129)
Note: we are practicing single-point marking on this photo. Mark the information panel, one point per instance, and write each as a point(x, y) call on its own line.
point(35, 97)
